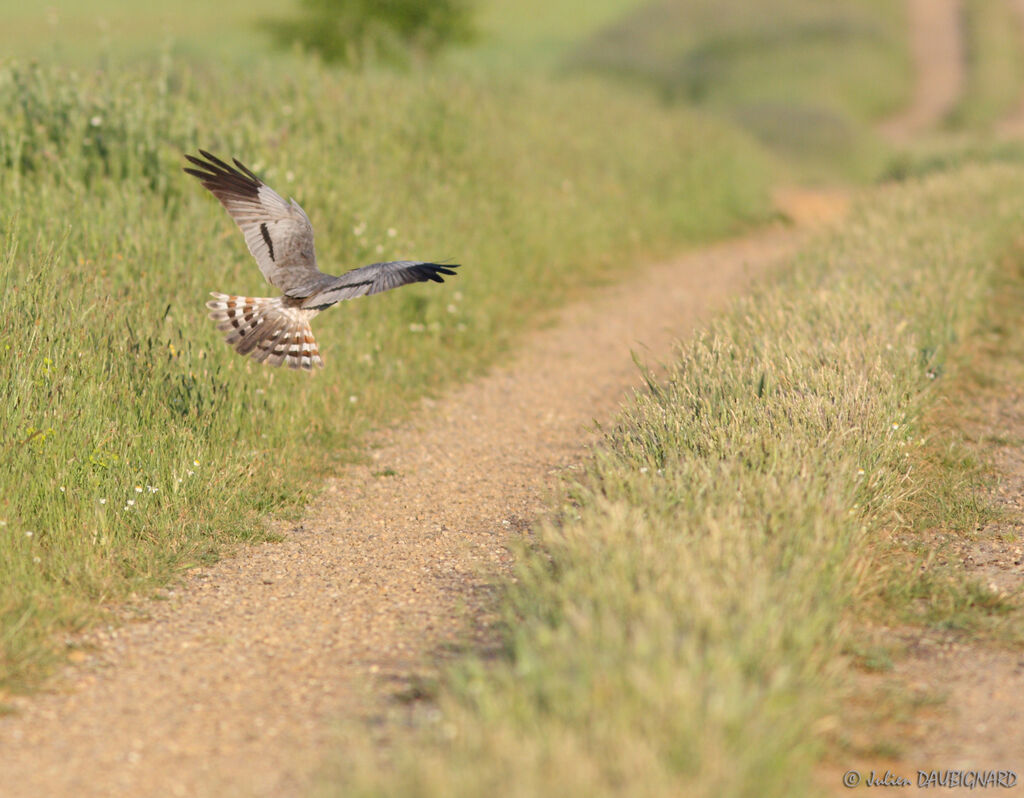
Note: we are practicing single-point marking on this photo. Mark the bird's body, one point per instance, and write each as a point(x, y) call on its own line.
point(276, 330)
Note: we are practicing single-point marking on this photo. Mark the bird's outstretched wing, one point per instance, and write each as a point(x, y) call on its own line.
point(375, 278)
point(277, 232)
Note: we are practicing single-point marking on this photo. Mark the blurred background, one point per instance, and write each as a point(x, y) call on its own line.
point(809, 79)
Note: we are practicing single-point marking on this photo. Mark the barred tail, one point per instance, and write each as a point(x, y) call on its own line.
point(267, 330)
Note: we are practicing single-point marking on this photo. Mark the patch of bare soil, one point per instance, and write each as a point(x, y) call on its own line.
point(981, 723)
point(230, 686)
point(937, 56)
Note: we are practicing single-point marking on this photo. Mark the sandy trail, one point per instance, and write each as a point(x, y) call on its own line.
point(937, 54)
point(229, 687)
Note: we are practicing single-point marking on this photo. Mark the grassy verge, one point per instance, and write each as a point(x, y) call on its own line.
point(133, 441)
point(806, 77)
point(678, 629)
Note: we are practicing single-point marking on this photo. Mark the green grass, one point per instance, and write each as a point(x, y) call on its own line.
point(804, 76)
point(995, 65)
point(677, 629)
point(114, 384)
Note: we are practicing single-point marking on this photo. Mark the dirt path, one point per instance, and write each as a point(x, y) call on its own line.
point(229, 687)
point(937, 54)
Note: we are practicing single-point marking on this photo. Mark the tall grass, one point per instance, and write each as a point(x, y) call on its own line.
point(677, 628)
point(133, 441)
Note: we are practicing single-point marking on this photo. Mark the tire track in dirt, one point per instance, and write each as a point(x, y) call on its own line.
point(938, 59)
point(957, 698)
point(230, 686)
point(968, 691)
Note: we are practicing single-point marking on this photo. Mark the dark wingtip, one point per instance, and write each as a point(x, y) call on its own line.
point(209, 157)
point(218, 176)
point(246, 170)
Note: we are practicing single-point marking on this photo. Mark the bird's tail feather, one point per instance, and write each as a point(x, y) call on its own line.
point(268, 331)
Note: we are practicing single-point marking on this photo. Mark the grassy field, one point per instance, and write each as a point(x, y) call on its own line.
point(804, 76)
point(119, 31)
point(678, 627)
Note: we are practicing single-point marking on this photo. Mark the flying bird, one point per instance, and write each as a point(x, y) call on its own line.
point(275, 330)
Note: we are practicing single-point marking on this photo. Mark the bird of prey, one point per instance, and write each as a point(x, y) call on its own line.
point(279, 235)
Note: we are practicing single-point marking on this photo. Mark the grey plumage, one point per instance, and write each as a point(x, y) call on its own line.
point(280, 237)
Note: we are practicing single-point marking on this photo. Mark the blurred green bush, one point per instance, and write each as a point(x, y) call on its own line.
point(357, 32)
